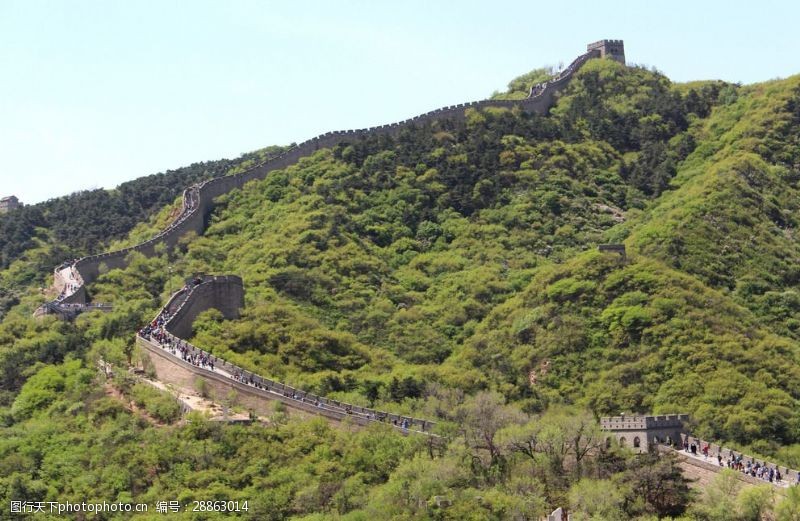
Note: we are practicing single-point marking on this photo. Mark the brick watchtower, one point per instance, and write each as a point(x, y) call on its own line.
point(642, 432)
point(613, 49)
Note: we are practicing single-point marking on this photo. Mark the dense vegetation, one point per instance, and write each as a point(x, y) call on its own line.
point(452, 272)
point(84, 222)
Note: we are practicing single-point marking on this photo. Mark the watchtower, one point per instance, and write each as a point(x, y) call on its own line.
point(9, 203)
point(643, 432)
point(613, 49)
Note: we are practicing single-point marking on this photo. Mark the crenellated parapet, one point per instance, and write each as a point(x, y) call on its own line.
point(644, 432)
point(624, 422)
point(198, 200)
point(613, 49)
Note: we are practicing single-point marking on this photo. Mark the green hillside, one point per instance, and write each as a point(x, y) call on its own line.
point(452, 272)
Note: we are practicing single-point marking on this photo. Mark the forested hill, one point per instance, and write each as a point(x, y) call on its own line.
point(452, 272)
point(84, 222)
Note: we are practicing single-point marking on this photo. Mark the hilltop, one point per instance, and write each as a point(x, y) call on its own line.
point(457, 258)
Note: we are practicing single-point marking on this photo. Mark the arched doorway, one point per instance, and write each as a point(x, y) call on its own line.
point(622, 441)
point(636, 442)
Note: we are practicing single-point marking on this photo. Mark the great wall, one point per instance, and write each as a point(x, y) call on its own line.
point(226, 293)
point(668, 433)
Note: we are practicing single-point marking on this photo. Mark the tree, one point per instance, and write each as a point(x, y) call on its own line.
point(719, 501)
point(789, 508)
point(755, 502)
point(596, 499)
point(108, 353)
point(482, 417)
point(658, 481)
point(564, 436)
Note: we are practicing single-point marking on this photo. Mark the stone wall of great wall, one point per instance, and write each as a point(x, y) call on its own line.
point(790, 476)
point(642, 432)
point(198, 200)
point(225, 293)
point(255, 392)
point(669, 433)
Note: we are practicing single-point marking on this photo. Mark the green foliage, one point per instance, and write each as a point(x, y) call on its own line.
point(160, 405)
point(591, 499)
point(730, 218)
point(654, 485)
point(51, 387)
point(520, 87)
point(446, 272)
point(727, 499)
point(98, 451)
point(789, 508)
point(647, 338)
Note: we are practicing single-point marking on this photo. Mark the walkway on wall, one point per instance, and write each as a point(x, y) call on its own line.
point(711, 463)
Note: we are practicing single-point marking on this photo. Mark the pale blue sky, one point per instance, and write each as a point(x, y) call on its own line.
point(94, 93)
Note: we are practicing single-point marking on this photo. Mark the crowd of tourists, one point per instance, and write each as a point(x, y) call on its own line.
point(536, 90)
point(72, 275)
point(156, 332)
point(736, 462)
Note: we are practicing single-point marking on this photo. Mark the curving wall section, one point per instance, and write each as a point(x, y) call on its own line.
point(226, 293)
point(71, 277)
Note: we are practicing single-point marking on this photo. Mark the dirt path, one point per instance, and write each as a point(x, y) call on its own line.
point(192, 400)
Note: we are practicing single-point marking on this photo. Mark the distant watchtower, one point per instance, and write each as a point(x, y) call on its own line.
point(9, 203)
point(613, 49)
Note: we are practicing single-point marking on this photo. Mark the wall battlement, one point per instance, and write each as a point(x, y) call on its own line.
point(9, 203)
point(643, 422)
point(198, 200)
point(669, 432)
point(225, 293)
point(614, 49)
point(644, 432)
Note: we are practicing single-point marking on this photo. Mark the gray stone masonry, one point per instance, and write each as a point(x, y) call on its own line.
point(613, 49)
point(643, 432)
point(9, 203)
